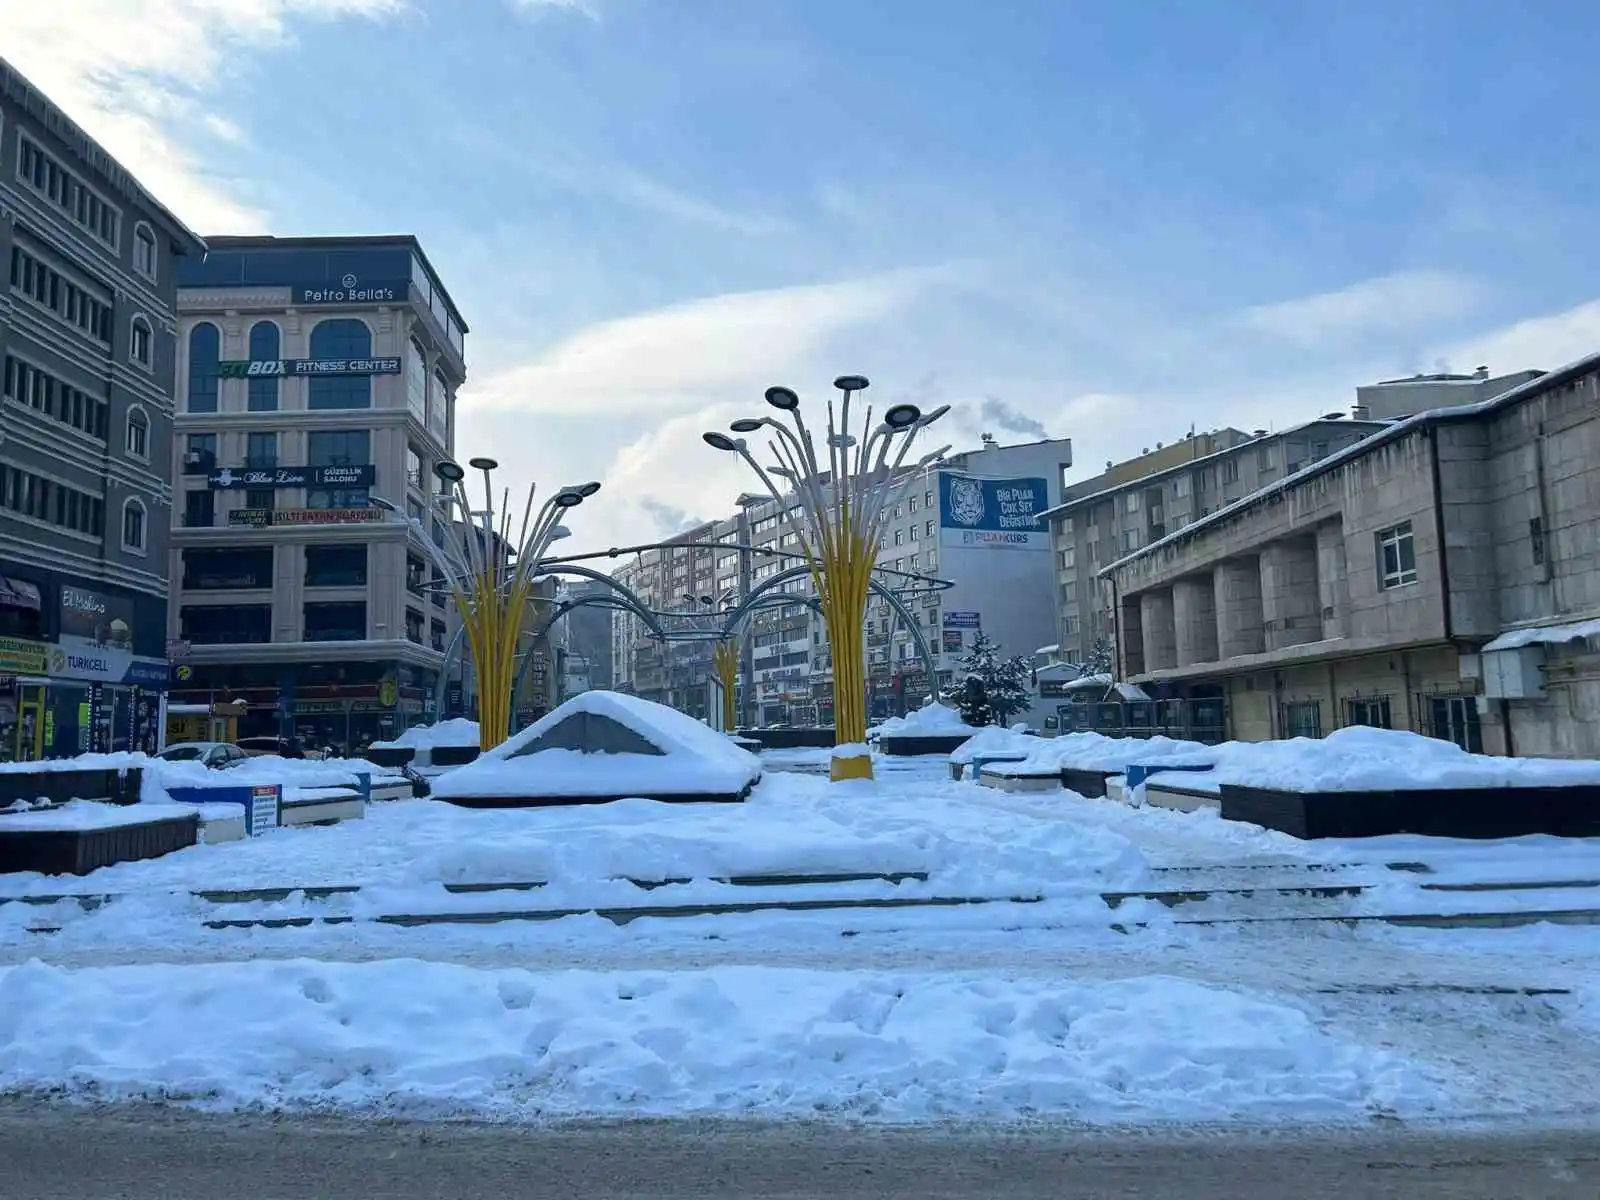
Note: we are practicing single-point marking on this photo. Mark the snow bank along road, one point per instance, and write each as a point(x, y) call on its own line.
point(1063, 1006)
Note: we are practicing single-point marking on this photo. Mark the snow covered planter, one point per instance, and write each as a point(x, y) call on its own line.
point(429, 748)
point(932, 729)
point(603, 746)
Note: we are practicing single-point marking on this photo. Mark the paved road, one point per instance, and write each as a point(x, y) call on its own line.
point(57, 1154)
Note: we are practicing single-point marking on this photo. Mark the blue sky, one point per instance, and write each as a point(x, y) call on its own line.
point(1107, 220)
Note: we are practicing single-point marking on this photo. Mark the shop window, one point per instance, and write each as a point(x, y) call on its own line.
point(336, 566)
point(221, 624)
point(227, 569)
point(345, 622)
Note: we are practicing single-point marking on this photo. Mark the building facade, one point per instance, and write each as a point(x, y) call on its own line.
point(1396, 399)
point(1133, 504)
point(87, 340)
point(314, 376)
point(1441, 576)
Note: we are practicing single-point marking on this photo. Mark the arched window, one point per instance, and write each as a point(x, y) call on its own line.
point(141, 341)
point(205, 347)
point(264, 347)
point(417, 380)
point(133, 525)
point(137, 437)
point(144, 250)
point(341, 337)
point(439, 407)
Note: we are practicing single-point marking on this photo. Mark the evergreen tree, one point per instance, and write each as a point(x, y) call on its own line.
point(1101, 658)
point(995, 689)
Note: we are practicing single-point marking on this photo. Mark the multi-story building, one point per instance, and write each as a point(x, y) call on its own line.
point(1394, 399)
point(315, 375)
point(1138, 502)
point(1443, 575)
point(87, 338)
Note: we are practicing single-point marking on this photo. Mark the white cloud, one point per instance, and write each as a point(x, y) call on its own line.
point(1547, 342)
point(536, 8)
point(724, 347)
point(1406, 300)
point(132, 73)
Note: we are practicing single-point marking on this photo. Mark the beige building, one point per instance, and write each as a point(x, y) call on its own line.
point(314, 374)
point(1442, 576)
point(1133, 504)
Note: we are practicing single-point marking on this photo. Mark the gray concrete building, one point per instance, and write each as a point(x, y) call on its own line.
point(314, 374)
point(1394, 399)
point(1133, 504)
point(87, 342)
point(1442, 575)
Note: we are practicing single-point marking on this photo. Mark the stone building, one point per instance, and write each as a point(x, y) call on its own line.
point(1442, 576)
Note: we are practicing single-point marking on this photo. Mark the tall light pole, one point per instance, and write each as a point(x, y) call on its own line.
point(837, 514)
point(489, 570)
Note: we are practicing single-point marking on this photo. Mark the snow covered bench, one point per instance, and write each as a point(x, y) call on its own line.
point(322, 805)
point(84, 835)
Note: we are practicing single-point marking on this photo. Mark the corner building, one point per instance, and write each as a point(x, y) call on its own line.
point(314, 374)
point(87, 345)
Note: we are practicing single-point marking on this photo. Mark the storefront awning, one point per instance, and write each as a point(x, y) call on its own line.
point(18, 593)
point(1544, 635)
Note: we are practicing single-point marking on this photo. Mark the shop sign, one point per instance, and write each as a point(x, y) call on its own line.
point(351, 289)
point(312, 708)
point(952, 640)
point(962, 620)
point(260, 518)
point(96, 619)
point(265, 809)
point(106, 664)
point(278, 368)
point(19, 657)
point(993, 514)
point(288, 477)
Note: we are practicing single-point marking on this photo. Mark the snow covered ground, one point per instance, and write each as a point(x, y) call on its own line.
point(1048, 1002)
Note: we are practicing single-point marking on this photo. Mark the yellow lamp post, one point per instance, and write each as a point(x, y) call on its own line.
point(836, 509)
point(490, 570)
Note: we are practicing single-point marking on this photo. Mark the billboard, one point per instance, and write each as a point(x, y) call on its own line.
point(992, 514)
point(278, 368)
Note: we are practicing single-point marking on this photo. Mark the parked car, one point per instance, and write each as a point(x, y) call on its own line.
point(216, 755)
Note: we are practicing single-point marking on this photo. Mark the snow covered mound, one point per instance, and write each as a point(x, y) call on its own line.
point(605, 744)
point(1096, 752)
point(433, 1039)
point(995, 740)
point(932, 719)
point(457, 731)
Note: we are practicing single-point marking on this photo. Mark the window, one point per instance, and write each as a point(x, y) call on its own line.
point(439, 401)
point(345, 622)
point(927, 529)
point(205, 349)
point(1536, 539)
point(1230, 471)
point(265, 346)
point(1180, 487)
point(417, 380)
point(137, 435)
point(932, 559)
point(260, 498)
point(1069, 558)
point(927, 499)
point(76, 304)
point(911, 504)
point(1264, 458)
point(133, 525)
point(338, 448)
point(1397, 556)
point(261, 450)
point(436, 636)
point(54, 397)
point(199, 509)
point(413, 468)
point(899, 537)
point(227, 569)
point(340, 337)
point(414, 624)
point(1130, 540)
point(1130, 502)
point(140, 342)
point(1453, 719)
point(1301, 719)
point(225, 624)
point(1319, 450)
point(200, 454)
point(144, 251)
point(41, 499)
point(1070, 624)
point(336, 566)
point(1370, 710)
point(81, 203)
point(1069, 592)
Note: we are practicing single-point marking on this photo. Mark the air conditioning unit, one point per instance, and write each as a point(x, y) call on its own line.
point(1513, 674)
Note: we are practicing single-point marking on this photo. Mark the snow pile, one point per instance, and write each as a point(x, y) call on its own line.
point(931, 720)
point(1096, 752)
point(78, 815)
point(852, 750)
point(1547, 635)
point(693, 760)
point(457, 731)
point(995, 740)
point(121, 760)
point(1365, 759)
point(432, 1039)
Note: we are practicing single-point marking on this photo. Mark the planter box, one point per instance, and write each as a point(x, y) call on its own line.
point(389, 756)
point(571, 801)
point(113, 787)
point(791, 739)
point(907, 745)
point(1045, 781)
point(79, 851)
point(1179, 798)
point(1435, 812)
point(324, 810)
point(1086, 783)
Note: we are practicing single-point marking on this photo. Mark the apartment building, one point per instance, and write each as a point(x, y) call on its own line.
point(87, 342)
point(1442, 575)
point(1138, 502)
point(315, 375)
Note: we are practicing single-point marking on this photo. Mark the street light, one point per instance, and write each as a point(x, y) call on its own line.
point(842, 498)
point(489, 569)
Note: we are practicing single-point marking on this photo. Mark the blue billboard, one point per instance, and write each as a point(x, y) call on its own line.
point(996, 514)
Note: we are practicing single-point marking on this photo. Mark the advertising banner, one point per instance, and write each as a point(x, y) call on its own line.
point(952, 641)
point(350, 289)
point(994, 514)
point(962, 620)
point(20, 657)
point(106, 664)
point(262, 517)
point(235, 478)
point(279, 368)
point(90, 618)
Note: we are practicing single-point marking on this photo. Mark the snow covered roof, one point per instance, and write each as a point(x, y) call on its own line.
point(1391, 432)
point(1548, 635)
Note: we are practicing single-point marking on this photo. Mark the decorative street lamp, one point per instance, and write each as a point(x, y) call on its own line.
point(841, 499)
point(489, 570)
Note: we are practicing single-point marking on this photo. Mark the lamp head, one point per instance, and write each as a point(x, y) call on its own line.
point(590, 488)
point(380, 502)
point(557, 532)
point(746, 425)
point(568, 498)
point(786, 399)
point(902, 416)
point(448, 471)
point(930, 418)
point(719, 441)
point(482, 464)
point(851, 383)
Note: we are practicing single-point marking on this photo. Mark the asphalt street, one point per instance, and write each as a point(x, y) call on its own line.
point(49, 1153)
